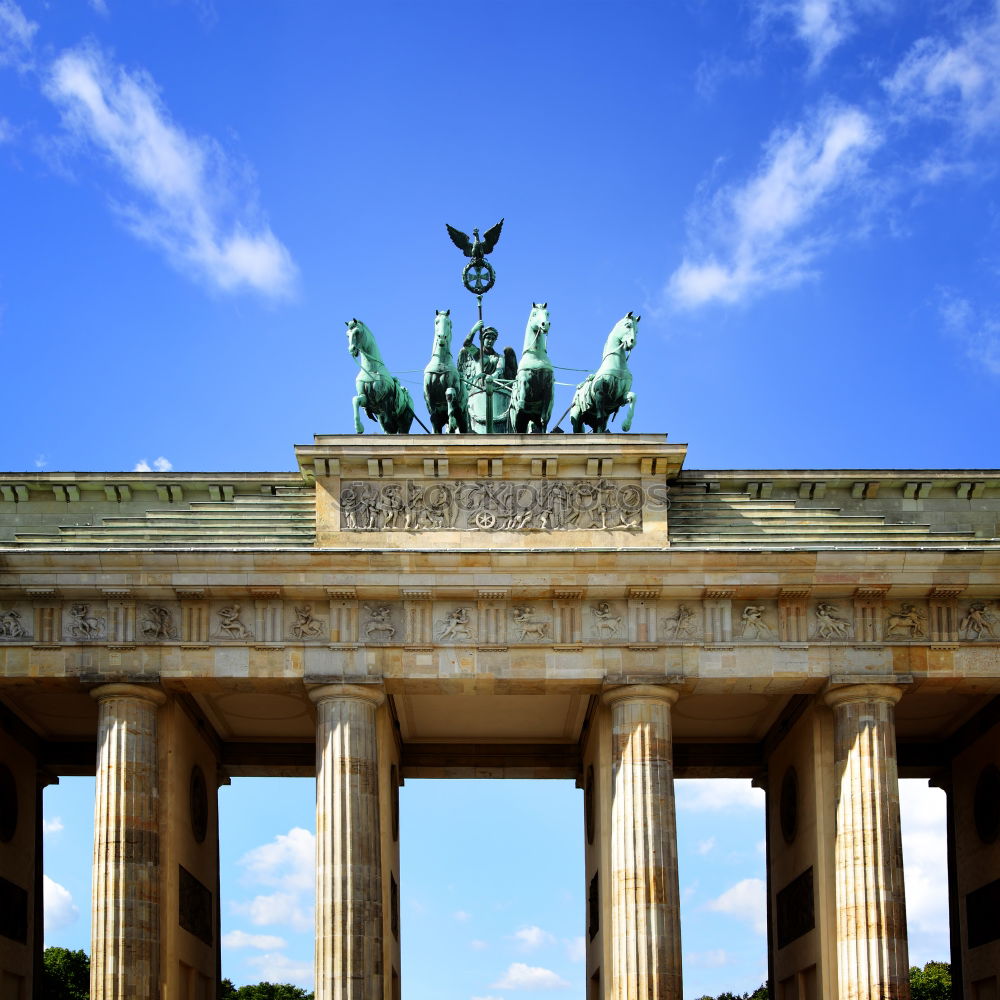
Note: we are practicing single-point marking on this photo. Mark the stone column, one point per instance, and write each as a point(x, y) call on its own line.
point(872, 958)
point(125, 912)
point(645, 900)
point(348, 844)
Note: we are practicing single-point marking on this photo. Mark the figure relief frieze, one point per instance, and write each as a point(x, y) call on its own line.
point(14, 624)
point(305, 624)
point(606, 622)
point(231, 624)
point(456, 626)
point(831, 623)
point(493, 505)
point(378, 626)
point(906, 622)
point(529, 625)
point(85, 624)
point(754, 623)
point(682, 625)
point(158, 623)
point(980, 621)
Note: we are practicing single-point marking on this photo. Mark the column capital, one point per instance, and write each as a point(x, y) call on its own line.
point(640, 692)
point(144, 692)
point(853, 693)
point(372, 694)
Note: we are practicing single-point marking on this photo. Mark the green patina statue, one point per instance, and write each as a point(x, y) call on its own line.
point(379, 393)
point(445, 390)
point(489, 376)
point(487, 392)
point(599, 396)
point(534, 385)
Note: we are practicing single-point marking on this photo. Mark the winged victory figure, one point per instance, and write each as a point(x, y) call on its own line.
point(475, 248)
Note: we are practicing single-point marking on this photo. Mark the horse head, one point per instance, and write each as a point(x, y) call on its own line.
point(623, 335)
point(442, 329)
point(355, 330)
point(537, 329)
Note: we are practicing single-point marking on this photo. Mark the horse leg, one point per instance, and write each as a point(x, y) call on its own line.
point(627, 422)
point(358, 402)
point(576, 419)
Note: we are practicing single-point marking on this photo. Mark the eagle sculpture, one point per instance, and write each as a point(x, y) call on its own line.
point(475, 248)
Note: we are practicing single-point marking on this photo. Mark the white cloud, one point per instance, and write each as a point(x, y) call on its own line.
point(54, 825)
point(191, 202)
point(262, 942)
point(529, 977)
point(288, 861)
point(708, 959)
point(277, 968)
point(461, 916)
point(978, 331)
point(530, 938)
point(705, 846)
point(754, 236)
point(478, 945)
point(717, 794)
point(746, 901)
point(100, 7)
point(60, 910)
point(576, 949)
point(958, 81)
point(925, 859)
point(160, 464)
point(276, 908)
point(17, 36)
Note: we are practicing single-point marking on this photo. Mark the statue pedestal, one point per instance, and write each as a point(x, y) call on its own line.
point(496, 491)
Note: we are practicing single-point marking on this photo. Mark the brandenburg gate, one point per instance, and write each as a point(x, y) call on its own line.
point(548, 606)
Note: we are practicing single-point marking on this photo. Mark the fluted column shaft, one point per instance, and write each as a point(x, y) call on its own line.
point(125, 909)
point(348, 845)
point(645, 900)
point(872, 960)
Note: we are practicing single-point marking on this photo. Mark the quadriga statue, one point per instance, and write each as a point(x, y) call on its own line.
point(600, 396)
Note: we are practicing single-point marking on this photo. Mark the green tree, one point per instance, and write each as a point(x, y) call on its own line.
point(269, 991)
point(65, 974)
point(226, 990)
point(932, 982)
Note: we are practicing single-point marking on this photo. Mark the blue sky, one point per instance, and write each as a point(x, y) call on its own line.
point(799, 196)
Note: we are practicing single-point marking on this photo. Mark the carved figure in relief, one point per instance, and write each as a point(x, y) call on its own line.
point(754, 626)
point(909, 620)
point(230, 625)
point(390, 503)
point(84, 624)
point(380, 621)
point(605, 620)
point(305, 625)
point(680, 625)
point(158, 623)
point(456, 625)
point(829, 623)
point(528, 624)
point(10, 625)
point(978, 620)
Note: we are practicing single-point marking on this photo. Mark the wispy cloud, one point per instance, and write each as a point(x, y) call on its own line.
point(746, 901)
point(160, 464)
point(286, 864)
point(60, 910)
point(54, 825)
point(532, 938)
point(17, 35)
point(713, 959)
point(529, 977)
point(188, 199)
point(262, 942)
point(956, 80)
point(717, 794)
point(976, 330)
point(100, 7)
point(278, 968)
point(705, 846)
point(576, 949)
point(753, 237)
